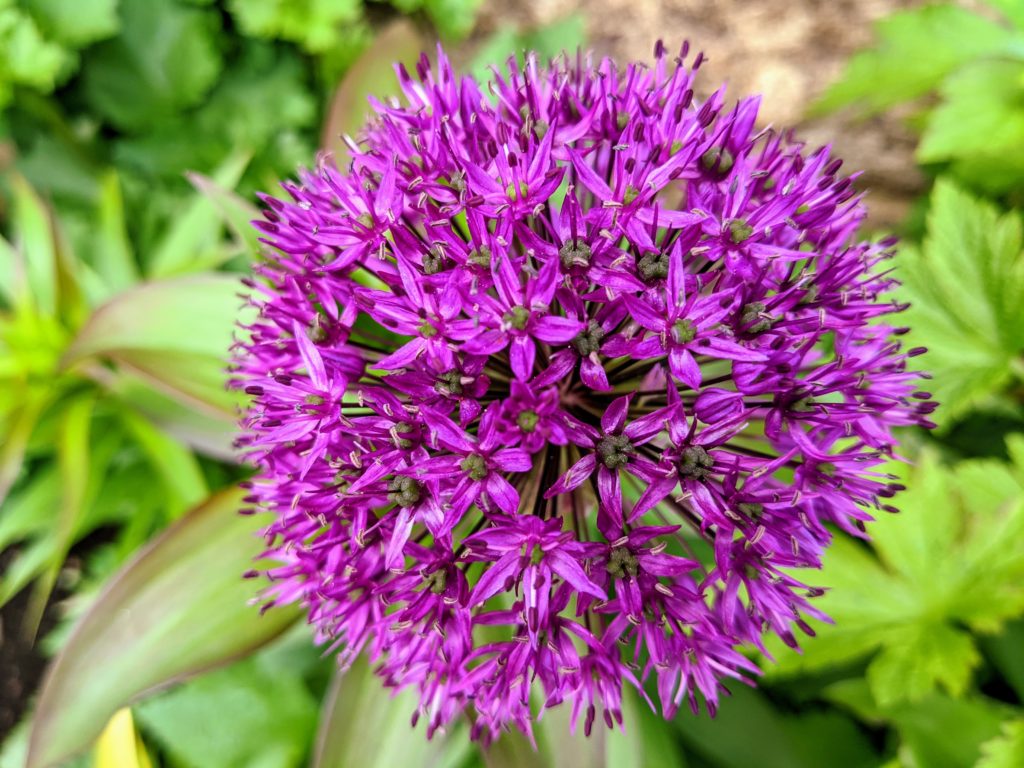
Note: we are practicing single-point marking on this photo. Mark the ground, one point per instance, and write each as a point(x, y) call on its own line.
point(787, 50)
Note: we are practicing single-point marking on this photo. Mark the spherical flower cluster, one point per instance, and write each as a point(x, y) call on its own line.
point(556, 381)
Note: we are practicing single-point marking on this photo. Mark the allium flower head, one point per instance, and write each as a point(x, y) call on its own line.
point(555, 382)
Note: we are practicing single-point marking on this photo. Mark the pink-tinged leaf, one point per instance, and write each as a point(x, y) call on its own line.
point(179, 608)
point(175, 333)
point(372, 74)
point(195, 315)
point(357, 706)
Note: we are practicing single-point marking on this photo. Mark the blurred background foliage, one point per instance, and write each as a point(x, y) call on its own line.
point(133, 136)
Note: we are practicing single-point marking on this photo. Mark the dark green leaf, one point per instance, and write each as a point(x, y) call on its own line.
point(749, 731)
point(253, 713)
point(167, 58)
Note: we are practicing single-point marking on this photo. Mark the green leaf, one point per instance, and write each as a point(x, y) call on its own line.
point(566, 34)
point(211, 434)
point(180, 607)
point(942, 565)
point(916, 49)
point(166, 59)
point(645, 739)
point(75, 23)
point(195, 234)
point(936, 732)
point(26, 56)
point(981, 114)
point(178, 470)
point(264, 103)
point(1011, 9)
point(271, 717)
point(357, 704)
point(73, 465)
point(749, 731)
point(112, 254)
point(452, 18)
point(965, 286)
point(313, 24)
point(1005, 751)
point(35, 240)
point(1004, 651)
point(236, 212)
point(16, 433)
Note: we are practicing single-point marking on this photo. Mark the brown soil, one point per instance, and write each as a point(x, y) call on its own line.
point(787, 50)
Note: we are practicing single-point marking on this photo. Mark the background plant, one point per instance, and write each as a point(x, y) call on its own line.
point(113, 422)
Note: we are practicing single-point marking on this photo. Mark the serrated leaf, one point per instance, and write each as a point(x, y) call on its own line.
point(965, 286)
point(936, 732)
point(943, 564)
point(75, 23)
point(180, 607)
point(167, 58)
point(26, 56)
point(452, 18)
point(981, 114)
point(915, 50)
point(313, 24)
point(1006, 750)
point(912, 663)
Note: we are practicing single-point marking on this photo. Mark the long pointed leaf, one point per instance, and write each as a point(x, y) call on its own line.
point(179, 608)
point(362, 724)
point(113, 258)
point(372, 73)
point(197, 229)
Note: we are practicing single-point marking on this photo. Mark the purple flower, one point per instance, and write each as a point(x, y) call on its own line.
point(535, 351)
